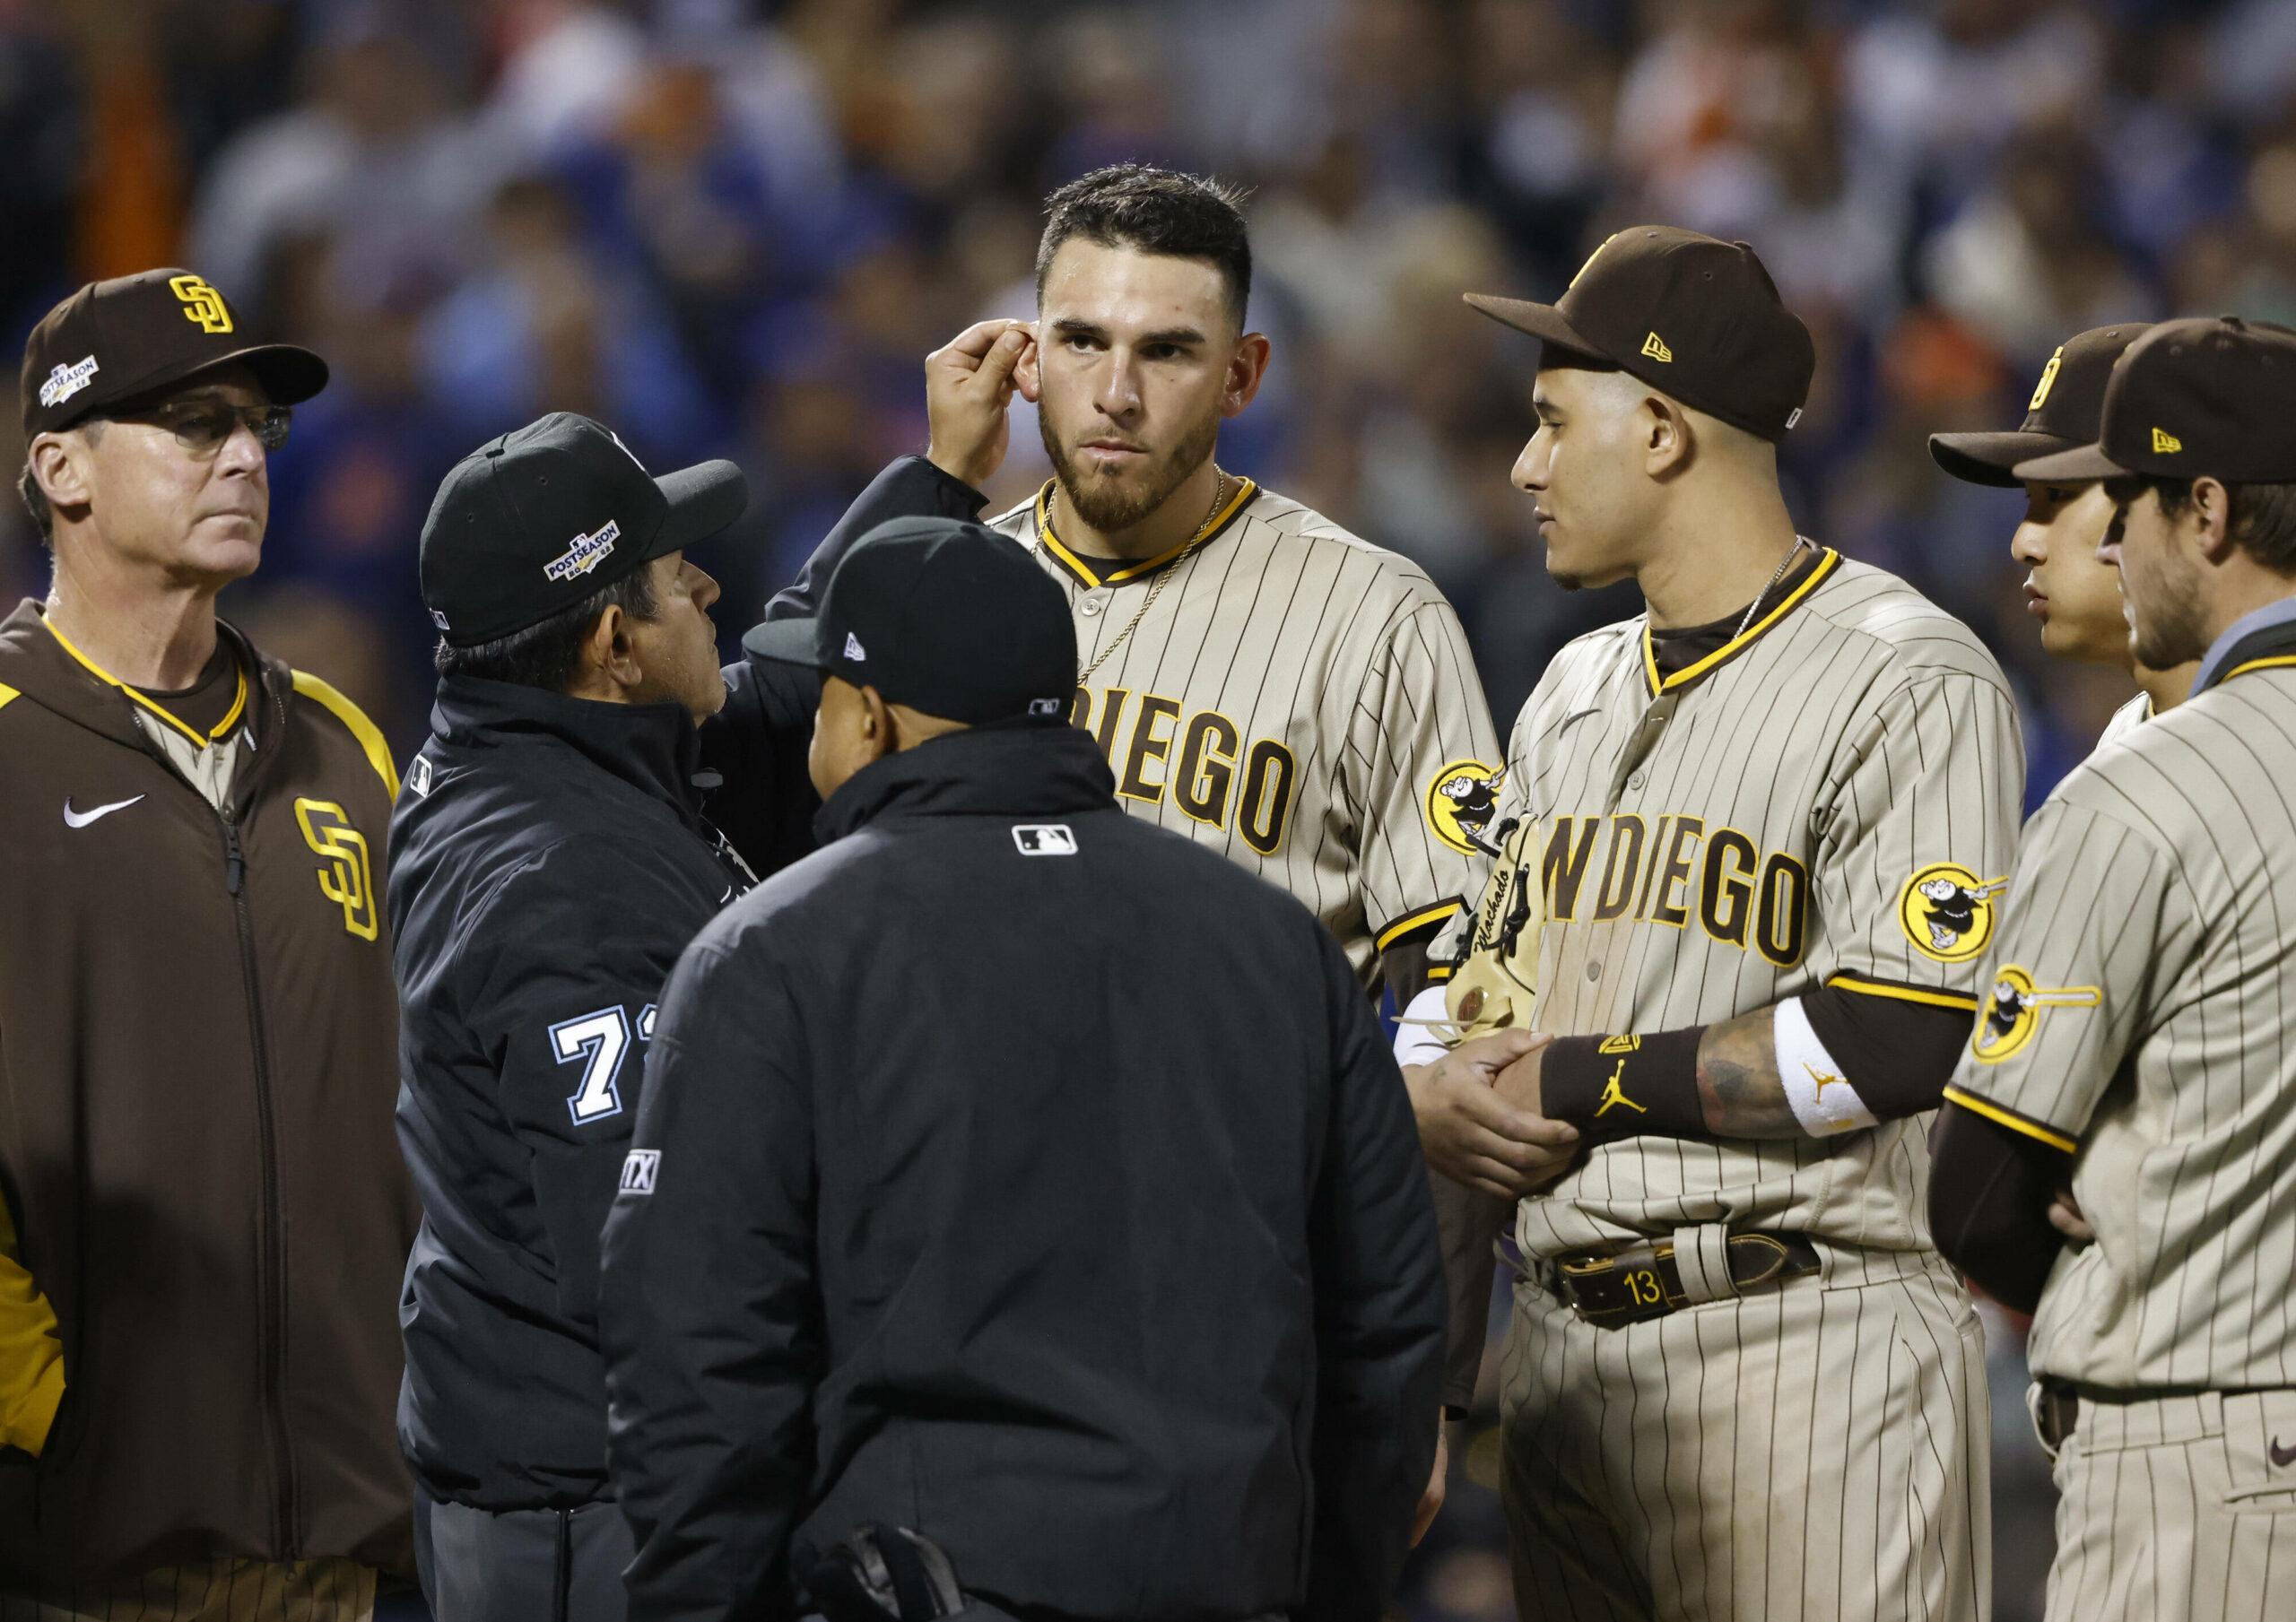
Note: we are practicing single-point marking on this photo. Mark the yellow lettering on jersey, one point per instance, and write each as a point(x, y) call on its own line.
point(1270, 774)
point(1563, 868)
point(1207, 767)
point(2048, 376)
point(1615, 893)
point(1726, 888)
point(1782, 909)
point(1147, 746)
point(348, 879)
point(1112, 703)
point(1612, 1094)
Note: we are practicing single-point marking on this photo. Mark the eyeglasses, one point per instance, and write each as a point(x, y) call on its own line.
point(202, 426)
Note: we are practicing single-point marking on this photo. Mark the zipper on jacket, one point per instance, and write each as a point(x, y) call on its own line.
point(272, 1289)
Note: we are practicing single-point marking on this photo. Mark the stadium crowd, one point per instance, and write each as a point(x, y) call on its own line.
point(735, 229)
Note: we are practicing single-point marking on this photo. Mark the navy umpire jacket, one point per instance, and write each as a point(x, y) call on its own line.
point(549, 860)
point(1022, 1174)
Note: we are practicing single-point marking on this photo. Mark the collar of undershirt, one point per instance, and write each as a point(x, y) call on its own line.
point(1673, 660)
point(1092, 573)
point(2263, 640)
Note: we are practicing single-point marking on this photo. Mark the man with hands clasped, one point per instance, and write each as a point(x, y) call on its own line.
point(1749, 847)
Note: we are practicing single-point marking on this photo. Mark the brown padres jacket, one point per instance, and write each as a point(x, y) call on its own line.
point(198, 1063)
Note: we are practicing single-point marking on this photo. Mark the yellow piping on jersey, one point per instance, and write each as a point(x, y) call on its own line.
point(1245, 490)
point(238, 699)
point(370, 737)
point(1827, 560)
point(2276, 661)
point(1906, 993)
point(2015, 1121)
point(1411, 920)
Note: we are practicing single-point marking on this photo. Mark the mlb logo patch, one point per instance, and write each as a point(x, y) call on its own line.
point(1044, 707)
point(418, 776)
point(639, 1170)
point(586, 554)
point(1045, 838)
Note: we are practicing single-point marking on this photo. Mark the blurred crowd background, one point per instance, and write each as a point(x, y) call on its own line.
point(735, 227)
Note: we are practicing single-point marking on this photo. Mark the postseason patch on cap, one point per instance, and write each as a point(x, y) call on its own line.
point(586, 554)
point(65, 381)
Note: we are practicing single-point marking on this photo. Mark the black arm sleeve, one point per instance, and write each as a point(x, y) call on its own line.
point(764, 801)
point(1990, 1193)
point(1898, 1054)
point(1380, 1312)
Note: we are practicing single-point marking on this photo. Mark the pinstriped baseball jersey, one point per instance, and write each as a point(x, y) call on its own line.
point(1830, 798)
point(1297, 698)
point(2127, 719)
point(2140, 1015)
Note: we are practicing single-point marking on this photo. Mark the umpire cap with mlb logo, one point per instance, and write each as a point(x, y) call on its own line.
point(1694, 317)
point(117, 341)
point(544, 518)
point(946, 617)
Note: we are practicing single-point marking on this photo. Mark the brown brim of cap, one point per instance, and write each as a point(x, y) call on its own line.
point(1541, 321)
point(2076, 466)
point(1993, 458)
point(289, 373)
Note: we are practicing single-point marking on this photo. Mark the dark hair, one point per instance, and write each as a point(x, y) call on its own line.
point(544, 655)
point(2261, 517)
point(35, 499)
point(1156, 210)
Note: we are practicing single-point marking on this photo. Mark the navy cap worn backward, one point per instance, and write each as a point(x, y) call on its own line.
point(949, 618)
point(542, 519)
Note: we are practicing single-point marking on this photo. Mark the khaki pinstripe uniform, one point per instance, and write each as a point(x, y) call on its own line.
point(1296, 698)
point(2125, 720)
point(330, 1590)
point(1754, 827)
point(2141, 1016)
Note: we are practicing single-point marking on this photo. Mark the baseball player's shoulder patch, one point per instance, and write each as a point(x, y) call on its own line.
point(1947, 911)
point(2012, 1008)
point(1461, 800)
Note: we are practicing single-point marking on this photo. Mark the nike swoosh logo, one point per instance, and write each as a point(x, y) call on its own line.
point(73, 818)
point(2282, 1457)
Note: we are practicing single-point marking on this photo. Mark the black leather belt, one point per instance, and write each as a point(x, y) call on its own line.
point(1631, 1286)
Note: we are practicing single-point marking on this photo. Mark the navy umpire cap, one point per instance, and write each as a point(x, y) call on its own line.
point(946, 617)
point(546, 516)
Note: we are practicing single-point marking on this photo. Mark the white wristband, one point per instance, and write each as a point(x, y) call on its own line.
point(1822, 1101)
point(1416, 1041)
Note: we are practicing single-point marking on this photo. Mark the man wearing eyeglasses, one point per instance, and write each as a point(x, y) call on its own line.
point(203, 1213)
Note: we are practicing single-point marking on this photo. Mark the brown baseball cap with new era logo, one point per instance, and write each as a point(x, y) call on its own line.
point(1695, 317)
point(117, 341)
point(2212, 397)
point(2067, 406)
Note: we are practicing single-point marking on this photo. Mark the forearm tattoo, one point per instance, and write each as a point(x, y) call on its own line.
point(1738, 1085)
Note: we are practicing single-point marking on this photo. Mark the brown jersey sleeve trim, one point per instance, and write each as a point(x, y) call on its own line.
point(1935, 996)
point(2002, 1116)
point(1426, 920)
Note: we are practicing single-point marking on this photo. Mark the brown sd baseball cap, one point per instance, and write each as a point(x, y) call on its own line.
point(1697, 318)
point(114, 341)
point(2066, 410)
point(2214, 396)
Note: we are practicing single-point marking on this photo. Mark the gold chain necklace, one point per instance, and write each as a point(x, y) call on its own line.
point(1156, 585)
